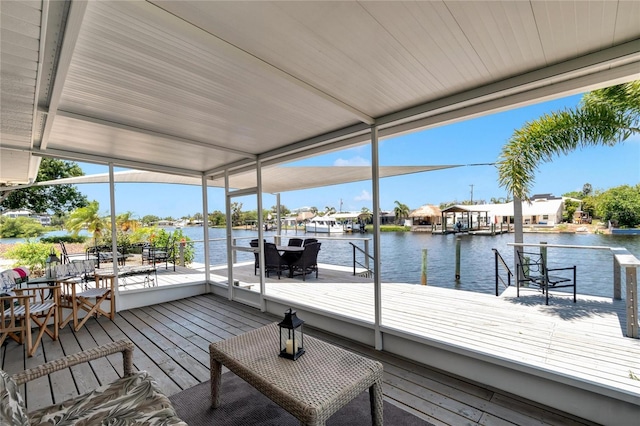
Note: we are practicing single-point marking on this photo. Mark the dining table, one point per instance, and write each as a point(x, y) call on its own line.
point(290, 254)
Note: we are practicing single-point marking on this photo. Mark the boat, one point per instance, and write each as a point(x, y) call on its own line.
point(325, 225)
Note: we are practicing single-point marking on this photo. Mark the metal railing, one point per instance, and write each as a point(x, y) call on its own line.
point(500, 261)
point(366, 265)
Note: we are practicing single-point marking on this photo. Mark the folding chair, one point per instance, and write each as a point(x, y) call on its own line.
point(22, 309)
point(78, 295)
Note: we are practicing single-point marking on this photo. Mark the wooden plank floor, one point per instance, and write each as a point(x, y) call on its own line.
point(172, 344)
point(583, 340)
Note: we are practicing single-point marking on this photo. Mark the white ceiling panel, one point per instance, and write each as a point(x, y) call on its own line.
point(202, 86)
point(130, 68)
point(20, 34)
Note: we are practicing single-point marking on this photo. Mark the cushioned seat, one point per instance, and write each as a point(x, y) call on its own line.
point(132, 399)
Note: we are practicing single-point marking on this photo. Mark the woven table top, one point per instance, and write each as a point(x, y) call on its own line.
point(315, 385)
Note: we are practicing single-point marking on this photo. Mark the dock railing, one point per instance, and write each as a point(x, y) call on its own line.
point(623, 260)
point(366, 261)
point(499, 279)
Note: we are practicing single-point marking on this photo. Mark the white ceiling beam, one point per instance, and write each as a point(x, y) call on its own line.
point(148, 132)
point(615, 56)
point(75, 17)
point(119, 162)
point(604, 78)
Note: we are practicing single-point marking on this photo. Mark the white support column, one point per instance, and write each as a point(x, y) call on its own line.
point(205, 215)
point(227, 202)
point(278, 218)
point(263, 304)
point(114, 234)
point(375, 180)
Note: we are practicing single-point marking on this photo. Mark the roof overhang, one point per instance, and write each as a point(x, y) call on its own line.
point(193, 87)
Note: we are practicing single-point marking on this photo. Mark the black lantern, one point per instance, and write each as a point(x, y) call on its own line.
point(291, 336)
point(52, 261)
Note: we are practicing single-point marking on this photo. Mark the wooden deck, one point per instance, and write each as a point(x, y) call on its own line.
point(172, 344)
point(584, 341)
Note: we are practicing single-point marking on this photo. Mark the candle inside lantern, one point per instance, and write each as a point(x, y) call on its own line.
point(289, 347)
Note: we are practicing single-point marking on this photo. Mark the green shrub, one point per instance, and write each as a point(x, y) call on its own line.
point(160, 238)
point(20, 227)
point(70, 239)
point(31, 254)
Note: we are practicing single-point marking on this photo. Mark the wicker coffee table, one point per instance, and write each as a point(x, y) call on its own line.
point(312, 388)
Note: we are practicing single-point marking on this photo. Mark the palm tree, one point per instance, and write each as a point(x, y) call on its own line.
point(87, 217)
point(604, 117)
point(328, 210)
point(401, 211)
point(365, 215)
point(125, 222)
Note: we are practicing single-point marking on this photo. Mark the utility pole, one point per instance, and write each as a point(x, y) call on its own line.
point(340, 205)
point(471, 193)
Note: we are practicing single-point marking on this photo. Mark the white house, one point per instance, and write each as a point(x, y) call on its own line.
point(542, 209)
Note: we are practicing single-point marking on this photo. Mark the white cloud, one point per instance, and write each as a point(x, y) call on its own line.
point(355, 161)
point(364, 196)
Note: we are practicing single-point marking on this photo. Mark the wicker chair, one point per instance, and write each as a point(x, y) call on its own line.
point(135, 398)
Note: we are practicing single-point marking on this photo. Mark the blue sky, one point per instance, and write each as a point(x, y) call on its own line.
point(473, 141)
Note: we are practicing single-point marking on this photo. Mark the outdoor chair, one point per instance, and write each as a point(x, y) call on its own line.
point(273, 260)
point(295, 242)
point(153, 254)
point(104, 254)
point(21, 309)
point(135, 398)
point(532, 269)
point(78, 295)
point(309, 241)
point(254, 243)
point(69, 257)
point(307, 263)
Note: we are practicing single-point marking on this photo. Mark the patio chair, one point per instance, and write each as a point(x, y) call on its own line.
point(273, 260)
point(22, 309)
point(78, 295)
point(307, 263)
point(532, 269)
point(69, 257)
point(295, 242)
point(309, 241)
point(157, 254)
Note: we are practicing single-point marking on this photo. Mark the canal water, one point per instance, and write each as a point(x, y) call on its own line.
point(401, 255)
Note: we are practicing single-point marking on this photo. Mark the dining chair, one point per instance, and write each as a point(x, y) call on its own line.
point(273, 260)
point(295, 242)
point(307, 263)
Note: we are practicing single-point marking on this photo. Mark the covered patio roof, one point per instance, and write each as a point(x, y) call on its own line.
point(194, 87)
